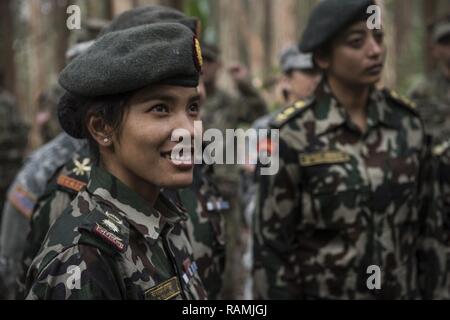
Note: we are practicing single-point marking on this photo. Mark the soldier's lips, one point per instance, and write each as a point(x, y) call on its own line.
point(375, 69)
point(183, 162)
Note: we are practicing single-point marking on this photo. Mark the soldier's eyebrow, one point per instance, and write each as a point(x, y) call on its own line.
point(355, 31)
point(194, 98)
point(159, 96)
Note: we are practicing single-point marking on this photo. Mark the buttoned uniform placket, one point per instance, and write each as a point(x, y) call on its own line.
point(368, 185)
point(165, 235)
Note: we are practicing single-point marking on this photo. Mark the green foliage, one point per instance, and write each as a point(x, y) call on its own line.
point(202, 10)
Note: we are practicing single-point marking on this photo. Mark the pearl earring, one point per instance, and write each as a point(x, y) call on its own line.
point(105, 140)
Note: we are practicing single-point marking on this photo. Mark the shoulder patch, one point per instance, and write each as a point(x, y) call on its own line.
point(290, 112)
point(107, 227)
point(22, 200)
point(402, 100)
point(70, 183)
point(75, 174)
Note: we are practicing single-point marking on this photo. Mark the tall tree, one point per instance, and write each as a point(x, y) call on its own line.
point(7, 70)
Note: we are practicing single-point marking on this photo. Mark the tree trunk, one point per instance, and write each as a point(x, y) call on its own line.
point(7, 71)
point(429, 8)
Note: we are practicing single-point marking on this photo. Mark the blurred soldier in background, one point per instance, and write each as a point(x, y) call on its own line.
point(13, 141)
point(31, 181)
point(46, 121)
point(299, 80)
point(351, 197)
point(432, 94)
point(223, 111)
point(300, 76)
point(206, 228)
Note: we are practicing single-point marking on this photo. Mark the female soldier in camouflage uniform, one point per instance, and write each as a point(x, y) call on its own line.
point(120, 238)
point(342, 218)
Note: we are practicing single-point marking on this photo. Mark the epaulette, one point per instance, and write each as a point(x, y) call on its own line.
point(281, 118)
point(441, 148)
point(75, 174)
point(402, 101)
point(105, 229)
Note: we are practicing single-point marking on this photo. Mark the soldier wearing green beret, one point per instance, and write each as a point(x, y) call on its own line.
point(121, 238)
point(204, 225)
point(432, 95)
point(345, 216)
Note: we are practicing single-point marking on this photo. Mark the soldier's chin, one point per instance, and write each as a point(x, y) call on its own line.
point(372, 80)
point(178, 181)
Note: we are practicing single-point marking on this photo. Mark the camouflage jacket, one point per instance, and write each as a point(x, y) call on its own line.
point(432, 96)
point(13, 141)
point(206, 229)
point(110, 244)
point(222, 111)
point(341, 202)
point(441, 181)
point(61, 190)
point(23, 195)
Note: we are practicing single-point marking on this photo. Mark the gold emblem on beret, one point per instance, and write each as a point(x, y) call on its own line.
point(198, 53)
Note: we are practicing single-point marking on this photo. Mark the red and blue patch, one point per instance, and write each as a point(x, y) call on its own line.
point(22, 200)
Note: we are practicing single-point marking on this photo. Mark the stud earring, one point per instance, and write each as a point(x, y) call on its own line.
point(105, 140)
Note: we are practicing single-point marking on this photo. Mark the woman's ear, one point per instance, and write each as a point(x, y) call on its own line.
point(322, 59)
point(100, 131)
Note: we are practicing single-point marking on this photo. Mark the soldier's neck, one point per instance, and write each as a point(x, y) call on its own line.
point(353, 99)
point(147, 191)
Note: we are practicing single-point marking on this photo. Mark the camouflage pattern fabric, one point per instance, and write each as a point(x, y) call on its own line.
point(342, 201)
point(110, 244)
point(61, 191)
point(432, 96)
point(441, 161)
point(223, 111)
point(13, 140)
point(28, 186)
point(206, 229)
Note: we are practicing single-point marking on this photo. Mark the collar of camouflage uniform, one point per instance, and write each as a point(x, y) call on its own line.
point(331, 114)
point(148, 220)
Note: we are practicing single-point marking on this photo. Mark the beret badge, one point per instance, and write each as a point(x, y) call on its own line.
point(198, 59)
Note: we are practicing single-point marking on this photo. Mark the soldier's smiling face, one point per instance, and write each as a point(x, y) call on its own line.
point(139, 154)
point(356, 55)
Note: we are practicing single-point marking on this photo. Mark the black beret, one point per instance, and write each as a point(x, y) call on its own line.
point(151, 14)
point(131, 59)
point(328, 18)
point(124, 61)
